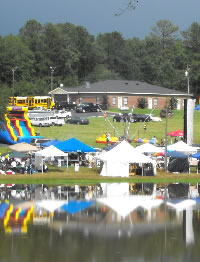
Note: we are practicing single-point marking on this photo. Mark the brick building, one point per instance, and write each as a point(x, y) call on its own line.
point(119, 93)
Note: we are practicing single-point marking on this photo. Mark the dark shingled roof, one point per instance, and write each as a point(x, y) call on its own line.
point(124, 86)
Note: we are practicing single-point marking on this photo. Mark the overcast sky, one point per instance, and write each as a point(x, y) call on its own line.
point(98, 16)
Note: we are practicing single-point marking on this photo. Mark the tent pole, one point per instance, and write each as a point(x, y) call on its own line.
point(42, 165)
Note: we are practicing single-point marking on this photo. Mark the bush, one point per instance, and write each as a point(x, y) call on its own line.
point(142, 103)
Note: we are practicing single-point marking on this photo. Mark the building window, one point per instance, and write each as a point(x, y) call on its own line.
point(114, 100)
point(125, 101)
point(155, 102)
point(80, 100)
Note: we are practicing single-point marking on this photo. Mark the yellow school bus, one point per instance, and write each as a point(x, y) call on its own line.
point(32, 101)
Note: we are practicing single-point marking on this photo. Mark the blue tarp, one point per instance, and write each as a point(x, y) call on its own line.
point(176, 154)
point(51, 143)
point(73, 207)
point(196, 155)
point(74, 145)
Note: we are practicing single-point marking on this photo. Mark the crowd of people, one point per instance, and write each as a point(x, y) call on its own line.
point(15, 165)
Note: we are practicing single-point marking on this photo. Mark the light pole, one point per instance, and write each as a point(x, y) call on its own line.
point(13, 76)
point(188, 78)
point(13, 82)
point(52, 71)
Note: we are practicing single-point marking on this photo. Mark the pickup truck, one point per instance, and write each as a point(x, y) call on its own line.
point(63, 105)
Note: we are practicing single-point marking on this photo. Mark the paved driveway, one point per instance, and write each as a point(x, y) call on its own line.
point(91, 114)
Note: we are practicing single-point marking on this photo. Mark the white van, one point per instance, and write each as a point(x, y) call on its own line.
point(41, 121)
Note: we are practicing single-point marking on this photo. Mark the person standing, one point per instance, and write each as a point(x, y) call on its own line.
point(145, 128)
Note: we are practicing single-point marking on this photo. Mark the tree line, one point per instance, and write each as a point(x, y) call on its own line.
point(77, 56)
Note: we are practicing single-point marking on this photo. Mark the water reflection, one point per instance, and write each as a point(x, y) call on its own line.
point(104, 222)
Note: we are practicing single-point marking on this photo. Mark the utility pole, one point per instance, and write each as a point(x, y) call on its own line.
point(52, 72)
point(13, 83)
point(188, 78)
point(166, 139)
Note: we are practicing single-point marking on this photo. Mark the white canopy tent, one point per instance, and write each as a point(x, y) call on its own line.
point(182, 147)
point(49, 152)
point(149, 148)
point(117, 160)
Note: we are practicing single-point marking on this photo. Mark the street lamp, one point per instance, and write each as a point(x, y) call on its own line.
point(52, 71)
point(13, 75)
point(13, 82)
point(188, 78)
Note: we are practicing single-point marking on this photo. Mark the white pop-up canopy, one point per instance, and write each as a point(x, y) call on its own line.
point(48, 152)
point(149, 148)
point(182, 147)
point(117, 160)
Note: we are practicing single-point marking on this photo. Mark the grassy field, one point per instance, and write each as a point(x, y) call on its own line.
point(98, 126)
point(88, 135)
point(91, 176)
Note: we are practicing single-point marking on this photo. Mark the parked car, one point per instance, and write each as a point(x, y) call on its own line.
point(78, 120)
point(62, 113)
point(125, 117)
point(87, 107)
point(155, 118)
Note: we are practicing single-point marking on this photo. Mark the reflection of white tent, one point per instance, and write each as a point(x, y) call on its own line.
point(115, 189)
point(49, 152)
point(50, 205)
point(117, 160)
point(181, 204)
point(149, 148)
point(124, 205)
point(182, 147)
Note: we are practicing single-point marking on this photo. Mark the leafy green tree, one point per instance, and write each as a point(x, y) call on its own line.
point(101, 73)
point(192, 44)
point(31, 34)
point(14, 53)
point(142, 103)
point(164, 32)
point(134, 51)
point(111, 48)
point(4, 99)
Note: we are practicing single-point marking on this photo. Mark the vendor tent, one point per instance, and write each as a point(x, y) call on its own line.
point(149, 148)
point(74, 145)
point(177, 133)
point(116, 161)
point(182, 147)
point(23, 147)
point(178, 162)
point(48, 152)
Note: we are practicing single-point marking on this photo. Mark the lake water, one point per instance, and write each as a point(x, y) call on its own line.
point(97, 223)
